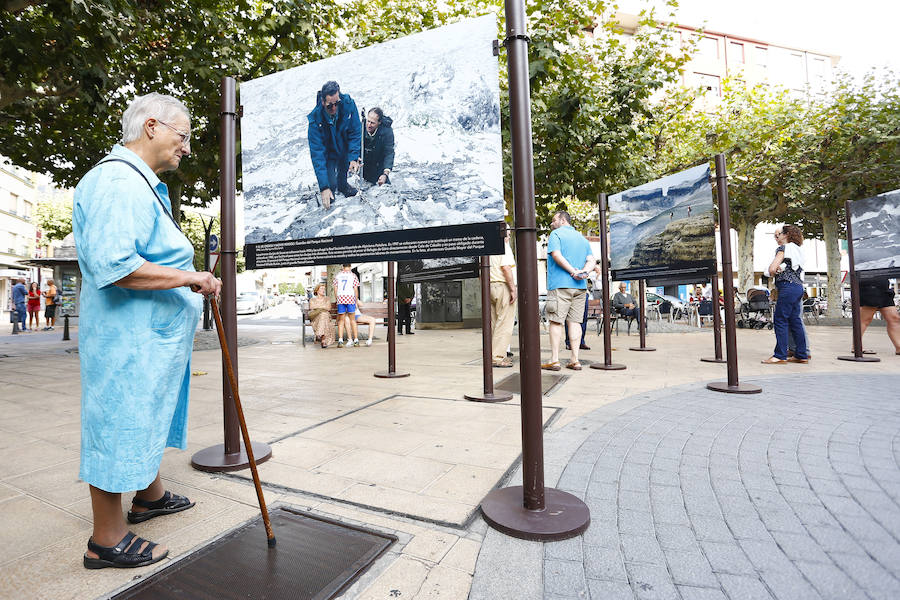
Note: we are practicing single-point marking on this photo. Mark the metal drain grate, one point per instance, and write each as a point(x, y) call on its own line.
point(549, 381)
point(314, 559)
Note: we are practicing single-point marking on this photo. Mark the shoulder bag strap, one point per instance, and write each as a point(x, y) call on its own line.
point(144, 177)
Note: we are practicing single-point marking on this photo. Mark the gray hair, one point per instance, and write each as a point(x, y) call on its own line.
point(149, 106)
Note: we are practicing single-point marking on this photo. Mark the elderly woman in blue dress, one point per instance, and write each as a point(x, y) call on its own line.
point(140, 302)
point(787, 269)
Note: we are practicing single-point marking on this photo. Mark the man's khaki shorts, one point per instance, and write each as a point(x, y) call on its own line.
point(565, 304)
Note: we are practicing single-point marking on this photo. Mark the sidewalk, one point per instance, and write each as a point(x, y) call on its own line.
point(410, 457)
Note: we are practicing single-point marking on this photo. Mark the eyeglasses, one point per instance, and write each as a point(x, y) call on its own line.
point(332, 104)
point(185, 137)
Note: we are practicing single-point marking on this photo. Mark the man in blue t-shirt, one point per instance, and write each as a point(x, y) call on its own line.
point(569, 261)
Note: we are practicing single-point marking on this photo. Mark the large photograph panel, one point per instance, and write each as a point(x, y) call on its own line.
point(665, 229)
point(876, 235)
point(437, 133)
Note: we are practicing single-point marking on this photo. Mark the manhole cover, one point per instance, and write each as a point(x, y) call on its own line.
point(314, 559)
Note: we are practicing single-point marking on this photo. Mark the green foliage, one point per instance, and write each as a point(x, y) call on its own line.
point(70, 68)
point(789, 159)
point(192, 224)
point(54, 219)
point(291, 288)
point(590, 101)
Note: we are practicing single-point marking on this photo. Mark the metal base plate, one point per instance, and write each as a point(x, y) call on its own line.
point(564, 516)
point(608, 367)
point(860, 358)
point(740, 388)
point(390, 374)
point(645, 349)
point(513, 383)
point(495, 397)
point(214, 459)
point(713, 359)
point(315, 559)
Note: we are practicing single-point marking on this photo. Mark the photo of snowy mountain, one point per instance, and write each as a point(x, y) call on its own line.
point(439, 88)
point(876, 235)
point(663, 226)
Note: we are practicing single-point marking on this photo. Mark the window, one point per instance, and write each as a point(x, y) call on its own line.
point(762, 57)
point(26, 209)
point(736, 53)
point(709, 83)
point(708, 47)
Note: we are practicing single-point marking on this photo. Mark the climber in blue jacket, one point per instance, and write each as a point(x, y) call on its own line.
point(335, 133)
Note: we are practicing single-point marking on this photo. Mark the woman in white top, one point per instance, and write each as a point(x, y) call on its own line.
point(787, 269)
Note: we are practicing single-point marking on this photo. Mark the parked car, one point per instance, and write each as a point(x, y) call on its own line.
point(249, 303)
point(678, 305)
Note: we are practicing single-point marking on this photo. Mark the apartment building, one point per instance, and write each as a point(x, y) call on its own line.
point(720, 55)
point(18, 199)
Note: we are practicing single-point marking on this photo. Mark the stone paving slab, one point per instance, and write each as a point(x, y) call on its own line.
point(793, 493)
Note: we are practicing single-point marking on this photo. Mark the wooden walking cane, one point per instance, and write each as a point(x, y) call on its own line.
point(240, 413)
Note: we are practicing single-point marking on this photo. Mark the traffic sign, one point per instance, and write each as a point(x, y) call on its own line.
point(213, 242)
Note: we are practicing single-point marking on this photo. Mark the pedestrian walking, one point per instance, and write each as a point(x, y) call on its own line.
point(787, 269)
point(138, 315)
point(876, 295)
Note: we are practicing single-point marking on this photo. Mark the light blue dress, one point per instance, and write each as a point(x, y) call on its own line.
point(135, 345)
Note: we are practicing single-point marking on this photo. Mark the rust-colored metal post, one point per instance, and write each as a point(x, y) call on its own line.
point(642, 319)
point(717, 322)
point(530, 511)
point(392, 322)
point(608, 364)
point(732, 386)
point(487, 351)
point(228, 456)
point(854, 299)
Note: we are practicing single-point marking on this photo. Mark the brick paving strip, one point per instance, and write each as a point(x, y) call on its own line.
point(791, 494)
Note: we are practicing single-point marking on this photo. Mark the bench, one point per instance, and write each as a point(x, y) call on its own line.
point(377, 310)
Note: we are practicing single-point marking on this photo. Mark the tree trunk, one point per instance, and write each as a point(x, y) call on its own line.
point(332, 270)
point(831, 232)
point(746, 233)
point(175, 197)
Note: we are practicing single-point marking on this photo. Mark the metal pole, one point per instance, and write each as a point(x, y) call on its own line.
point(608, 364)
point(524, 511)
point(228, 302)
point(207, 325)
point(392, 322)
point(487, 350)
point(717, 321)
point(642, 319)
point(854, 298)
point(228, 456)
point(732, 386)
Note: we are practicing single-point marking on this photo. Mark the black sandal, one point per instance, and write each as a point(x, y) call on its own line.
point(168, 504)
point(124, 555)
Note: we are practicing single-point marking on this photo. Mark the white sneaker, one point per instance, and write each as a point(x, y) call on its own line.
point(369, 342)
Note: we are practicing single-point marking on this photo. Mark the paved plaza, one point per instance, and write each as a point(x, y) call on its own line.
point(792, 493)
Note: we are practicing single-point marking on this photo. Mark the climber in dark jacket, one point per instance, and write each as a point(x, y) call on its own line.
point(334, 138)
point(378, 145)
